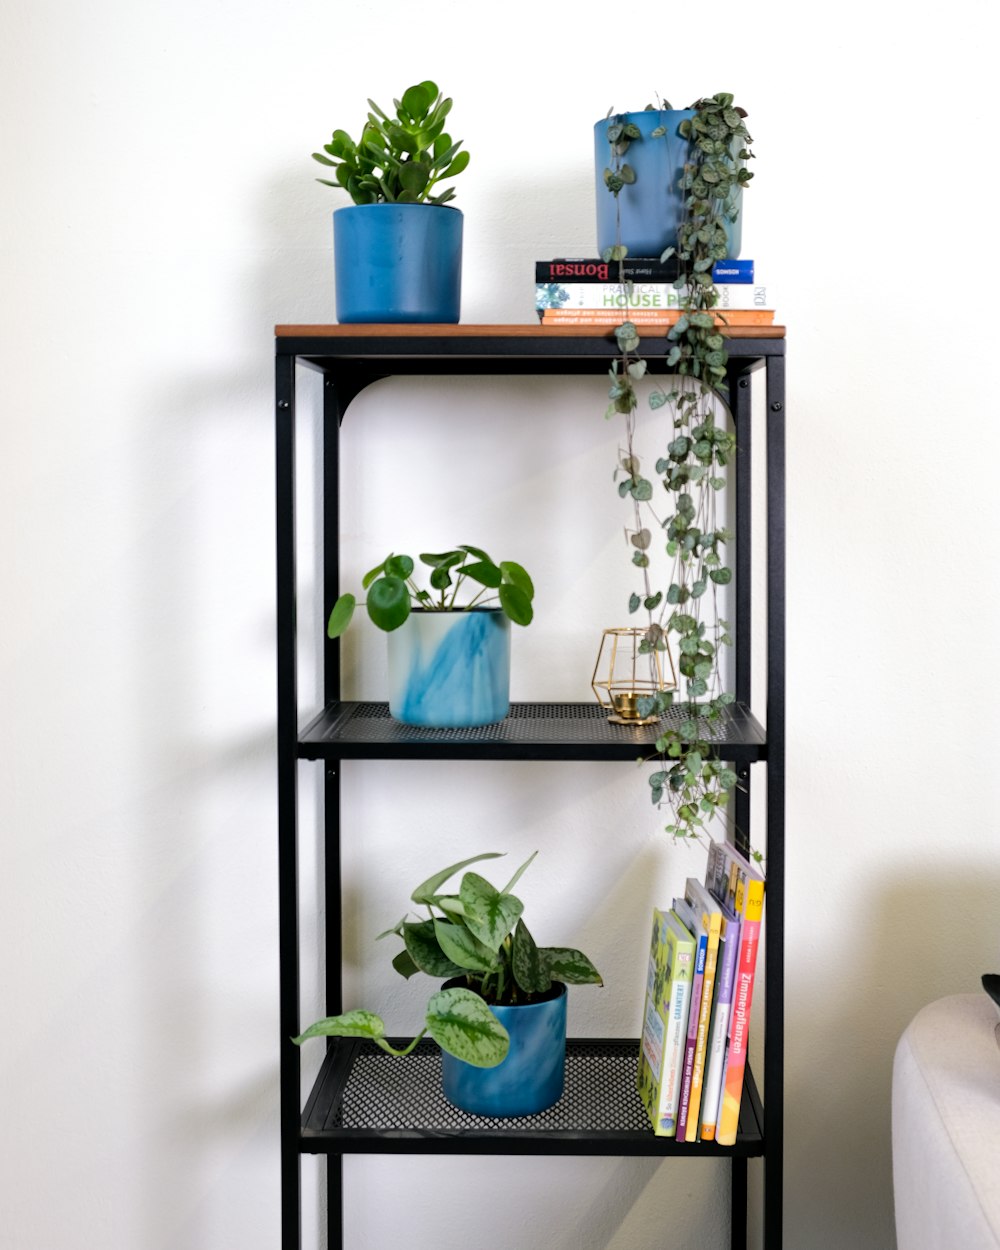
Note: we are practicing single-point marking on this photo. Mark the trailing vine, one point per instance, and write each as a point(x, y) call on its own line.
point(689, 776)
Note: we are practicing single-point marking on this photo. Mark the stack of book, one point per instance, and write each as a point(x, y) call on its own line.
point(699, 990)
point(641, 289)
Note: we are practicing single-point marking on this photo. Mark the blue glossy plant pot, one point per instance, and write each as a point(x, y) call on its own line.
point(532, 1076)
point(398, 262)
point(653, 206)
point(450, 670)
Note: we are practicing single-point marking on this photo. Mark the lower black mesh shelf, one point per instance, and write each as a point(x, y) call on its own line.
point(365, 1100)
point(575, 731)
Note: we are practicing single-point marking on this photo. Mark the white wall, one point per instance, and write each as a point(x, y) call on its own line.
point(159, 217)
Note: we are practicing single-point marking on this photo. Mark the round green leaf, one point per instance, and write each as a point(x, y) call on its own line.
point(486, 573)
point(516, 604)
point(388, 602)
point(341, 615)
point(517, 576)
point(399, 566)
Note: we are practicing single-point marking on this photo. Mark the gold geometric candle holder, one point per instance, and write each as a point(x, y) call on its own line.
point(626, 675)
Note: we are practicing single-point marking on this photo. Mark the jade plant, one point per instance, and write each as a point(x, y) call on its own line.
point(476, 934)
point(398, 159)
point(696, 450)
point(459, 581)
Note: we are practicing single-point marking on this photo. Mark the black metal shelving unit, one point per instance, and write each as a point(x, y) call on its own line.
point(358, 1103)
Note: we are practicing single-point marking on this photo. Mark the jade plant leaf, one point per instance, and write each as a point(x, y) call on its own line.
point(462, 1024)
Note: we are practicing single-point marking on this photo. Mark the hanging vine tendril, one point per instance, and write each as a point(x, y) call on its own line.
point(689, 776)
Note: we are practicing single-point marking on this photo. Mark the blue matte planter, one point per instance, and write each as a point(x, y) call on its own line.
point(532, 1076)
point(450, 670)
point(398, 262)
point(653, 206)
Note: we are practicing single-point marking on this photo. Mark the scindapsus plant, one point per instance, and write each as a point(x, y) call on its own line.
point(478, 934)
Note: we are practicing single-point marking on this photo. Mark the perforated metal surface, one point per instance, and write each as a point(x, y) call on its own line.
point(530, 730)
point(387, 1093)
point(365, 1099)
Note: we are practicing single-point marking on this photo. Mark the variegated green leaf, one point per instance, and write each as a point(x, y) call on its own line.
point(529, 971)
point(462, 1024)
point(489, 915)
point(519, 874)
point(572, 966)
point(350, 1024)
point(424, 893)
point(462, 948)
point(422, 947)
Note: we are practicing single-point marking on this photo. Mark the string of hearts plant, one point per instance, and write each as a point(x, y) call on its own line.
point(697, 448)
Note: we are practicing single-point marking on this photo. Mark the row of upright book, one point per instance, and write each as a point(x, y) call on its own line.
point(593, 291)
point(699, 991)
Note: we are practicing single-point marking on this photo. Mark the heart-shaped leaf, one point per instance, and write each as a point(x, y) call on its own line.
point(459, 945)
point(462, 1024)
point(425, 892)
point(423, 948)
point(489, 915)
point(571, 966)
point(529, 971)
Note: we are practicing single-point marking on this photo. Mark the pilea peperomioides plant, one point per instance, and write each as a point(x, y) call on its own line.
point(696, 450)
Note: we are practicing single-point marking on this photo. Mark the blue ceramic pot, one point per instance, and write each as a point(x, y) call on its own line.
point(532, 1076)
point(450, 670)
point(653, 206)
point(398, 262)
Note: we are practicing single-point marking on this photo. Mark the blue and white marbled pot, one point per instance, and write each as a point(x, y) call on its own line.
point(450, 670)
point(532, 1076)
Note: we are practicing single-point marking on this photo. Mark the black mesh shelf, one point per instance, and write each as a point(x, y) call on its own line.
point(367, 1101)
point(542, 731)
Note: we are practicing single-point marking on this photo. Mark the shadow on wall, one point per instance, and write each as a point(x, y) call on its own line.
point(200, 667)
point(929, 935)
